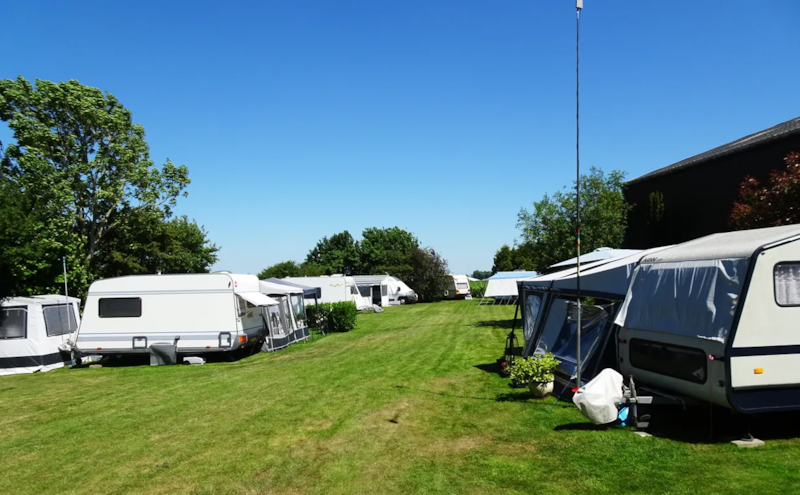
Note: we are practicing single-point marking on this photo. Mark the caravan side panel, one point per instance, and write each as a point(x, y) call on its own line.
point(197, 318)
point(765, 352)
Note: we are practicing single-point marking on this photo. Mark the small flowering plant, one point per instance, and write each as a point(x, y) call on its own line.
point(534, 369)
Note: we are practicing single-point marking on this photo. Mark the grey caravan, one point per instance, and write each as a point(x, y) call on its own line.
point(716, 319)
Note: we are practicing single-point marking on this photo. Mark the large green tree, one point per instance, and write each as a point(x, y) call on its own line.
point(429, 274)
point(387, 250)
point(337, 254)
point(291, 269)
point(82, 170)
point(548, 230)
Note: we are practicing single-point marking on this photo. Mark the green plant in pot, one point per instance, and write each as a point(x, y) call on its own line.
point(536, 372)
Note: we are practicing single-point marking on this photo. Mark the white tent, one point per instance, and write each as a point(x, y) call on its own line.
point(502, 286)
point(35, 333)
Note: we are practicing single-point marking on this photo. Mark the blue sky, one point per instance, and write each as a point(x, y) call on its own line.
point(299, 119)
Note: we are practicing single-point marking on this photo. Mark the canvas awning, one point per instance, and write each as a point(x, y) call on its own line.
point(266, 287)
point(308, 292)
point(257, 298)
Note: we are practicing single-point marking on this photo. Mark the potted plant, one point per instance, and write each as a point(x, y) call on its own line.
point(536, 372)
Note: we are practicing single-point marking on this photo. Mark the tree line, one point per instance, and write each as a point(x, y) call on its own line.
point(77, 183)
point(391, 251)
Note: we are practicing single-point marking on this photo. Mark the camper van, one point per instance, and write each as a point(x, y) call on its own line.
point(334, 288)
point(457, 287)
point(385, 290)
point(197, 313)
point(36, 332)
point(715, 319)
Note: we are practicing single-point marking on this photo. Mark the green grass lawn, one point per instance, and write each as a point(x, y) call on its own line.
point(398, 405)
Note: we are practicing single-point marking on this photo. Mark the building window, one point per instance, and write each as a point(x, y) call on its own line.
point(13, 323)
point(787, 284)
point(120, 307)
point(59, 319)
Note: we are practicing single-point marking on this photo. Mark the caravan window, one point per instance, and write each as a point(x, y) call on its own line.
point(462, 285)
point(13, 323)
point(120, 307)
point(787, 284)
point(353, 290)
point(59, 319)
point(384, 290)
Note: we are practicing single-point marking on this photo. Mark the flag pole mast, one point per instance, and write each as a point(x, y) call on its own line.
point(578, 8)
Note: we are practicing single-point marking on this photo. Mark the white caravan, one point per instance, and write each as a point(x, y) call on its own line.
point(287, 320)
point(716, 319)
point(335, 288)
point(457, 287)
point(35, 333)
point(385, 289)
point(198, 313)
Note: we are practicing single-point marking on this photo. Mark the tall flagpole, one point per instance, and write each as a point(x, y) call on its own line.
point(578, 7)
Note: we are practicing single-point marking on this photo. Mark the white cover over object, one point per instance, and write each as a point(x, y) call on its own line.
point(693, 298)
point(598, 399)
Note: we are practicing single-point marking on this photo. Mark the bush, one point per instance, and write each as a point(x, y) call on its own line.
point(333, 317)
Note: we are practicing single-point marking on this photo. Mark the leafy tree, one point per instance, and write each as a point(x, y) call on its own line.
point(429, 274)
point(81, 170)
point(768, 206)
point(339, 254)
point(503, 260)
point(281, 270)
point(548, 231)
point(149, 243)
point(387, 251)
point(480, 274)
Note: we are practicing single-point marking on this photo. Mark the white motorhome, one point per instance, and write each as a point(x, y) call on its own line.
point(198, 313)
point(287, 320)
point(35, 333)
point(385, 290)
point(457, 287)
point(334, 288)
point(715, 319)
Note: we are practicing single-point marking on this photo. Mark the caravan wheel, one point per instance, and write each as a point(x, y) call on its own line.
point(402, 300)
point(446, 293)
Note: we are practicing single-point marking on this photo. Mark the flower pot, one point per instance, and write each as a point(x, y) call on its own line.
point(541, 389)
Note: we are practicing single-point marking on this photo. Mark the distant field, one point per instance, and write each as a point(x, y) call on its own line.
point(408, 402)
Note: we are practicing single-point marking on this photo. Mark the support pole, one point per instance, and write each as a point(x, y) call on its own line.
point(578, 8)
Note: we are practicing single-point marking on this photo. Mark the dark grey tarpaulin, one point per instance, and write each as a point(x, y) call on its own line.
point(308, 292)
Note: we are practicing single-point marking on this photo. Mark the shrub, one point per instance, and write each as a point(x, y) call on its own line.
point(537, 369)
point(334, 317)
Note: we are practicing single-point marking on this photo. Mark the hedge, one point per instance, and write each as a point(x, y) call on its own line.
point(334, 317)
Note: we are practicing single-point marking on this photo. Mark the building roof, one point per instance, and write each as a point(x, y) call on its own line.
point(781, 130)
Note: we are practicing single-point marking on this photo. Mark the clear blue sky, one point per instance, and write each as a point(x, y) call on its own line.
point(300, 119)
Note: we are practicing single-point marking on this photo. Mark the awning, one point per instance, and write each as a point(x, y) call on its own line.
point(257, 299)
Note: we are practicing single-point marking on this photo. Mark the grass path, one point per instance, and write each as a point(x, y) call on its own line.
point(395, 406)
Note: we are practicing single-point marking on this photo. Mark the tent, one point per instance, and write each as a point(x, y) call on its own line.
point(35, 333)
point(549, 313)
point(287, 321)
point(603, 253)
point(502, 286)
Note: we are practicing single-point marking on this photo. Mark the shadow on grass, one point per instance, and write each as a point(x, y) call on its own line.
point(701, 425)
point(498, 324)
point(494, 368)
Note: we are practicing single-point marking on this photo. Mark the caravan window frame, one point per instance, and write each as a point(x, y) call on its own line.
point(133, 314)
point(72, 327)
point(25, 319)
point(775, 282)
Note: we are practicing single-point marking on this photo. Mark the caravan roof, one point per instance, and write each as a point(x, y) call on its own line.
point(728, 245)
point(307, 291)
point(43, 300)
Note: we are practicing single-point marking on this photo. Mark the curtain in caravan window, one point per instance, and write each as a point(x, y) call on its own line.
point(787, 284)
point(59, 319)
point(13, 323)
